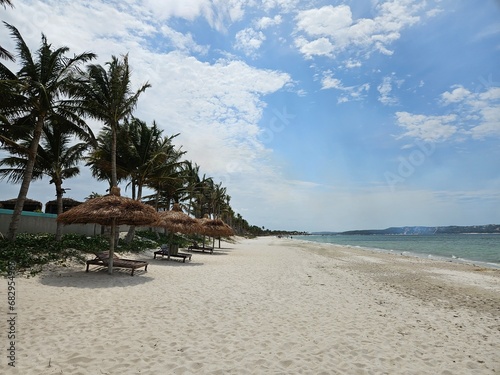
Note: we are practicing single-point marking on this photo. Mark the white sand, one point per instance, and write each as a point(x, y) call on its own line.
point(262, 306)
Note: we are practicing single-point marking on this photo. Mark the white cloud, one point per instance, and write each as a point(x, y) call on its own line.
point(183, 42)
point(349, 93)
point(217, 13)
point(457, 95)
point(328, 82)
point(318, 47)
point(265, 22)
point(385, 90)
point(427, 128)
point(187, 9)
point(336, 25)
point(215, 107)
point(326, 21)
point(350, 64)
point(472, 114)
point(283, 5)
point(249, 40)
point(482, 110)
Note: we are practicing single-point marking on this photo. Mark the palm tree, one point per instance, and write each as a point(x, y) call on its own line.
point(39, 88)
point(193, 182)
point(55, 159)
point(167, 176)
point(145, 152)
point(99, 160)
point(107, 97)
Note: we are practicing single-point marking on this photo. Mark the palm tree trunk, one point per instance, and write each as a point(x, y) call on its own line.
point(114, 179)
point(59, 197)
point(25, 185)
point(114, 184)
point(131, 229)
point(111, 247)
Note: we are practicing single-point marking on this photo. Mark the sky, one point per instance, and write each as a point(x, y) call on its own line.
point(315, 115)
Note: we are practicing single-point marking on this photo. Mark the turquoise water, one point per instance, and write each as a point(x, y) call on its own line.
point(483, 248)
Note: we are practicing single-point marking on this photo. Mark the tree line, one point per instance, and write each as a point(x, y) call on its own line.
point(44, 111)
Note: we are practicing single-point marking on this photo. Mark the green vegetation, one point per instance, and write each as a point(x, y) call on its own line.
point(31, 252)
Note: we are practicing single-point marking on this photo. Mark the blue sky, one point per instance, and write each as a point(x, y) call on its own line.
point(316, 115)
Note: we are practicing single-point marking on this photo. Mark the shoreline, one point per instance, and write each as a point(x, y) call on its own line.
point(430, 256)
point(263, 305)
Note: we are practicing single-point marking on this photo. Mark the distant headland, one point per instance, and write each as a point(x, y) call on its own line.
point(419, 230)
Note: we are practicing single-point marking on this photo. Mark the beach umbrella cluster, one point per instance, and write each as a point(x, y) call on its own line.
point(113, 210)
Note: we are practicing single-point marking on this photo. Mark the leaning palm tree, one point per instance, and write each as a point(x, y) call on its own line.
point(55, 159)
point(38, 91)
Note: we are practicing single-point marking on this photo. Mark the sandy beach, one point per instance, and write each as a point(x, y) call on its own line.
point(260, 306)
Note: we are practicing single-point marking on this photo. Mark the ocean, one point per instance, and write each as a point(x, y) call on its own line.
point(481, 249)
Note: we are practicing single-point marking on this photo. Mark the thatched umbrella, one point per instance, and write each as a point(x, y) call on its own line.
point(215, 228)
point(111, 210)
point(177, 221)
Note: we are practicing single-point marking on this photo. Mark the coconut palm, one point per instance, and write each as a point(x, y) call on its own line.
point(107, 97)
point(167, 178)
point(193, 185)
point(37, 95)
point(145, 152)
point(99, 159)
point(55, 159)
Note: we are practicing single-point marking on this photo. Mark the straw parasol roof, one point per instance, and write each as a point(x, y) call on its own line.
point(111, 210)
point(177, 221)
point(215, 228)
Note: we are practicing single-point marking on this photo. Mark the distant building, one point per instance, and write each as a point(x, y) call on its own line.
point(29, 205)
point(51, 206)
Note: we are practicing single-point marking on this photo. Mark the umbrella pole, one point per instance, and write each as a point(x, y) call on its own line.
point(111, 247)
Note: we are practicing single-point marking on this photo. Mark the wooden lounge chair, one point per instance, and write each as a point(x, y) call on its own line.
point(174, 253)
point(196, 247)
point(101, 259)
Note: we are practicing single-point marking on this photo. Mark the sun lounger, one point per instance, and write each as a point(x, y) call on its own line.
point(172, 253)
point(101, 259)
point(196, 247)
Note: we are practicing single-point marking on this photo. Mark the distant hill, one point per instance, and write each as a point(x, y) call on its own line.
point(418, 230)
